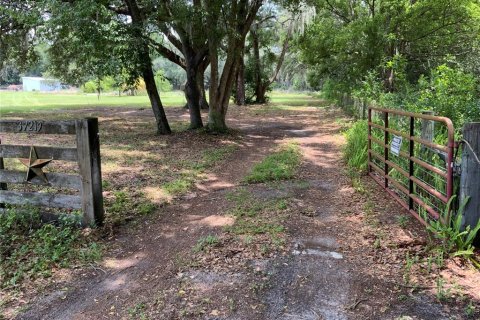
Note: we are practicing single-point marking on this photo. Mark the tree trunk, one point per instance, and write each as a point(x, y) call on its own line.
point(216, 114)
point(192, 94)
point(240, 93)
point(157, 107)
point(241, 19)
point(261, 85)
point(259, 90)
point(216, 120)
point(147, 71)
point(201, 85)
point(260, 93)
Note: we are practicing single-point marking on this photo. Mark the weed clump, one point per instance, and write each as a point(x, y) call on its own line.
point(280, 165)
point(192, 171)
point(455, 239)
point(256, 217)
point(30, 248)
point(205, 242)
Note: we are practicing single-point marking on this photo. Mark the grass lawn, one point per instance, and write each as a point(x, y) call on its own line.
point(295, 99)
point(21, 102)
point(13, 102)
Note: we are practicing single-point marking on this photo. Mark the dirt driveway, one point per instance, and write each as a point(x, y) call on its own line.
point(340, 254)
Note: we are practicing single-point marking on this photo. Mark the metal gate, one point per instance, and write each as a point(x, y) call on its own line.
point(412, 156)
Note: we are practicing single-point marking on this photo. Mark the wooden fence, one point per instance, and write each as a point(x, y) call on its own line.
point(86, 154)
point(355, 106)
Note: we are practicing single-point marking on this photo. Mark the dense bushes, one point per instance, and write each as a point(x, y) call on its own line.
point(451, 93)
point(377, 52)
point(448, 91)
point(163, 85)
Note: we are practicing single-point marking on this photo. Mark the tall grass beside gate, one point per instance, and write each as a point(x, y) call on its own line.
point(355, 152)
point(456, 239)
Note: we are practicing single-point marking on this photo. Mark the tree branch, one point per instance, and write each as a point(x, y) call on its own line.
point(281, 58)
point(172, 38)
point(118, 10)
point(168, 54)
point(337, 12)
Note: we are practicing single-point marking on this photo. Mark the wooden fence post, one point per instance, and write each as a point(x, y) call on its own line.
point(470, 178)
point(3, 186)
point(356, 107)
point(88, 148)
point(428, 127)
point(364, 108)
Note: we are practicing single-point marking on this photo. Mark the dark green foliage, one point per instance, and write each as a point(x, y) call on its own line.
point(413, 55)
point(450, 93)
point(108, 44)
point(17, 53)
point(29, 248)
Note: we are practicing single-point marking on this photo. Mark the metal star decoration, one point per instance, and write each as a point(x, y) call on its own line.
point(35, 166)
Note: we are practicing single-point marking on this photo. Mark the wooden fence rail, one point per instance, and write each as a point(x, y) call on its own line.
point(86, 153)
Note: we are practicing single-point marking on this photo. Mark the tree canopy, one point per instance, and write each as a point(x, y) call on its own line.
point(348, 39)
point(379, 49)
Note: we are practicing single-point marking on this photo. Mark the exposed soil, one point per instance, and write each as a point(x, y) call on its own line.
point(342, 255)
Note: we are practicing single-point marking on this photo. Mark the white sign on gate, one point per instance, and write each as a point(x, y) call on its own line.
point(396, 145)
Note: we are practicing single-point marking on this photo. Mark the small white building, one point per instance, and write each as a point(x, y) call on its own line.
point(40, 84)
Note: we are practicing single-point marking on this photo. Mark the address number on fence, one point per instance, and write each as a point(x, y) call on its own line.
point(396, 145)
point(29, 126)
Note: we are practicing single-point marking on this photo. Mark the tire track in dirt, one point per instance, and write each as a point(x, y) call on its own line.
point(142, 260)
point(320, 278)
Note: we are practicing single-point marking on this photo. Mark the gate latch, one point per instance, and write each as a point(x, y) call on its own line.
point(457, 169)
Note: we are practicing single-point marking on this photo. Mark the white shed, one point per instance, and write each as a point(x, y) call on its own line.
point(40, 84)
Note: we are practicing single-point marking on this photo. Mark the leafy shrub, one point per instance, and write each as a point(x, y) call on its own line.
point(334, 91)
point(106, 84)
point(355, 152)
point(163, 85)
point(90, 86)
point(29, 248)
point(450, 93)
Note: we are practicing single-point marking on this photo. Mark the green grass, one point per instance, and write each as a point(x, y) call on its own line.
point(355, 152)
point(179, 186)
point(214, 156)
point(256, 216)
point(21, 102)
point(192, 171)
point(280, 165)
point(289, 100)
point(24, 102)
point(205, 242)
point(124, 205)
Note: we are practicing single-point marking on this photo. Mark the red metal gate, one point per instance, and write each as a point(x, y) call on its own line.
point(419, 172)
